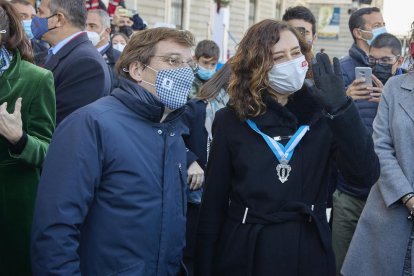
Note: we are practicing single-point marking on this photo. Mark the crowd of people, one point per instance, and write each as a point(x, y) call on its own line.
point(128, 150)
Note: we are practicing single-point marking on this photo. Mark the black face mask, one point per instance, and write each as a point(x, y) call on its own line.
point(126, 30)
point(382, 72)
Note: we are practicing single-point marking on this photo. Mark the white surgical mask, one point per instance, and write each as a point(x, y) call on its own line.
point(288, 77)
point(94, 37)
point(118, 47)
point(375, 32)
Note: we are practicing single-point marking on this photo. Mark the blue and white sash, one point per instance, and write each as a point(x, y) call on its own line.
point(282, 153)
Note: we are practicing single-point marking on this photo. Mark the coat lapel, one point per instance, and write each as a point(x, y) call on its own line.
point(407, 101)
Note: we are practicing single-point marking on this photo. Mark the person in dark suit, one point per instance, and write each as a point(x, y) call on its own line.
point(98, 24)
point(80, 73)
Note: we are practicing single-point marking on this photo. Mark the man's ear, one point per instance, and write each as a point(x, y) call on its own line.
point(357, 33)
point(315, 38)
point(108, 33)
point(400, 61)
point(135, 71)
point(60, 19)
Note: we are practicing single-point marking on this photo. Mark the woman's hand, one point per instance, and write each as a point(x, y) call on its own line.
point(195, 176)
point(410, 205)
point(11, 125)
point(329, 83)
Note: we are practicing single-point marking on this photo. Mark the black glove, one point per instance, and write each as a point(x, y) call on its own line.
point(329, 89)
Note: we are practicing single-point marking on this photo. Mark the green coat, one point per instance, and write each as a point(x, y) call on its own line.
point(19, 174)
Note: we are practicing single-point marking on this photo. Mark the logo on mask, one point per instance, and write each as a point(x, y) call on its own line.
point(173, 86)
point(167, 84)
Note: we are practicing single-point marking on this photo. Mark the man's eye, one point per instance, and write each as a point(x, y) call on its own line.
point(173, 61)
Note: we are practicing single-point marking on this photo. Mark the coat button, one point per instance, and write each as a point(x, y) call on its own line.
point(172, 134)
point(159, 131)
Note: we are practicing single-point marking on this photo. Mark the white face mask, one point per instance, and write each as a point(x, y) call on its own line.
point(288, 77)
point(118, 47)
point(95, 38)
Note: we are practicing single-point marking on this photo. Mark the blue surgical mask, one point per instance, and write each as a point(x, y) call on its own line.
point(205, 74)
point(375, 32)
point(40, 26)
point(27, 26)
point(173, 86)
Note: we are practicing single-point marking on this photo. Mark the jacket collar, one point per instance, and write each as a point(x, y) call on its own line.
point(14, 70)
point(408, 82)
point(142, 102)
point(72, 44)
point(111, 54)
point(407, 100)
point(358, 54)
point(301, 109)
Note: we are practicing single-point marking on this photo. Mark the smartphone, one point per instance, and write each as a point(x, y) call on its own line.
point(364, 72)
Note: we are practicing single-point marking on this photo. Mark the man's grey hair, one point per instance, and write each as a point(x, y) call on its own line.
point(74, 10)
point(103, 18)
point(22, 2)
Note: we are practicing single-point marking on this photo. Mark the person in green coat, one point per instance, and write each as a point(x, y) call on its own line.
point(27, 121)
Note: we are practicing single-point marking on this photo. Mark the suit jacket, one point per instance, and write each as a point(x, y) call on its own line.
point(81, 76)
point(382, 233)
point(111, 56)
point(20, 173)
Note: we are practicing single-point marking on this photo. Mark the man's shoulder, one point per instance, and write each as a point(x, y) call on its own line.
point(347, 62)
point(102, 107)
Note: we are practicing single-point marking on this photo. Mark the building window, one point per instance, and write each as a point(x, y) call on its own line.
point(252, 12)
point(177, 8)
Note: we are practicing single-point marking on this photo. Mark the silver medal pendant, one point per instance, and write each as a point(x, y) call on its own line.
point(283, 170)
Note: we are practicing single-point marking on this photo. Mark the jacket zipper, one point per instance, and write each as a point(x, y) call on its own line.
point(182, 188)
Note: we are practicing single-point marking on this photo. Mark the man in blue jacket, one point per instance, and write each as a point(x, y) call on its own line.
point(112, 197)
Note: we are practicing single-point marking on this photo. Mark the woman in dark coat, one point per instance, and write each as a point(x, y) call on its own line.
point(263, 208)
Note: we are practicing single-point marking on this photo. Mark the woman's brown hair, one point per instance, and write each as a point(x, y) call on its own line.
point(218, 81)
point(251, 63)
point(15, 37)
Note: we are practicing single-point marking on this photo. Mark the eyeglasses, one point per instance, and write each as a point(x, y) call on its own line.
point(382, 61)
point(178, 62)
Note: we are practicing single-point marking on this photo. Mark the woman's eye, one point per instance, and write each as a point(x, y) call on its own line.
point(296, 53)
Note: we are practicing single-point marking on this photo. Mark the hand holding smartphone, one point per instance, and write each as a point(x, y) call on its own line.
point(364, 72)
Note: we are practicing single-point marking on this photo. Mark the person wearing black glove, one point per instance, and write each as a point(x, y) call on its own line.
point(329, 89)
point(263, 210)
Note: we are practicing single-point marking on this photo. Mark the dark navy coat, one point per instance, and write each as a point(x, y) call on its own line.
point(111, 200)
point(357, 58)
point(81, 76)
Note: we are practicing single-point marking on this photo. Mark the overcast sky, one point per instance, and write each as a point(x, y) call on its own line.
point(398, 16)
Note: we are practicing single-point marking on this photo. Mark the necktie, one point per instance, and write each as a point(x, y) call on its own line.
point(49, 55)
